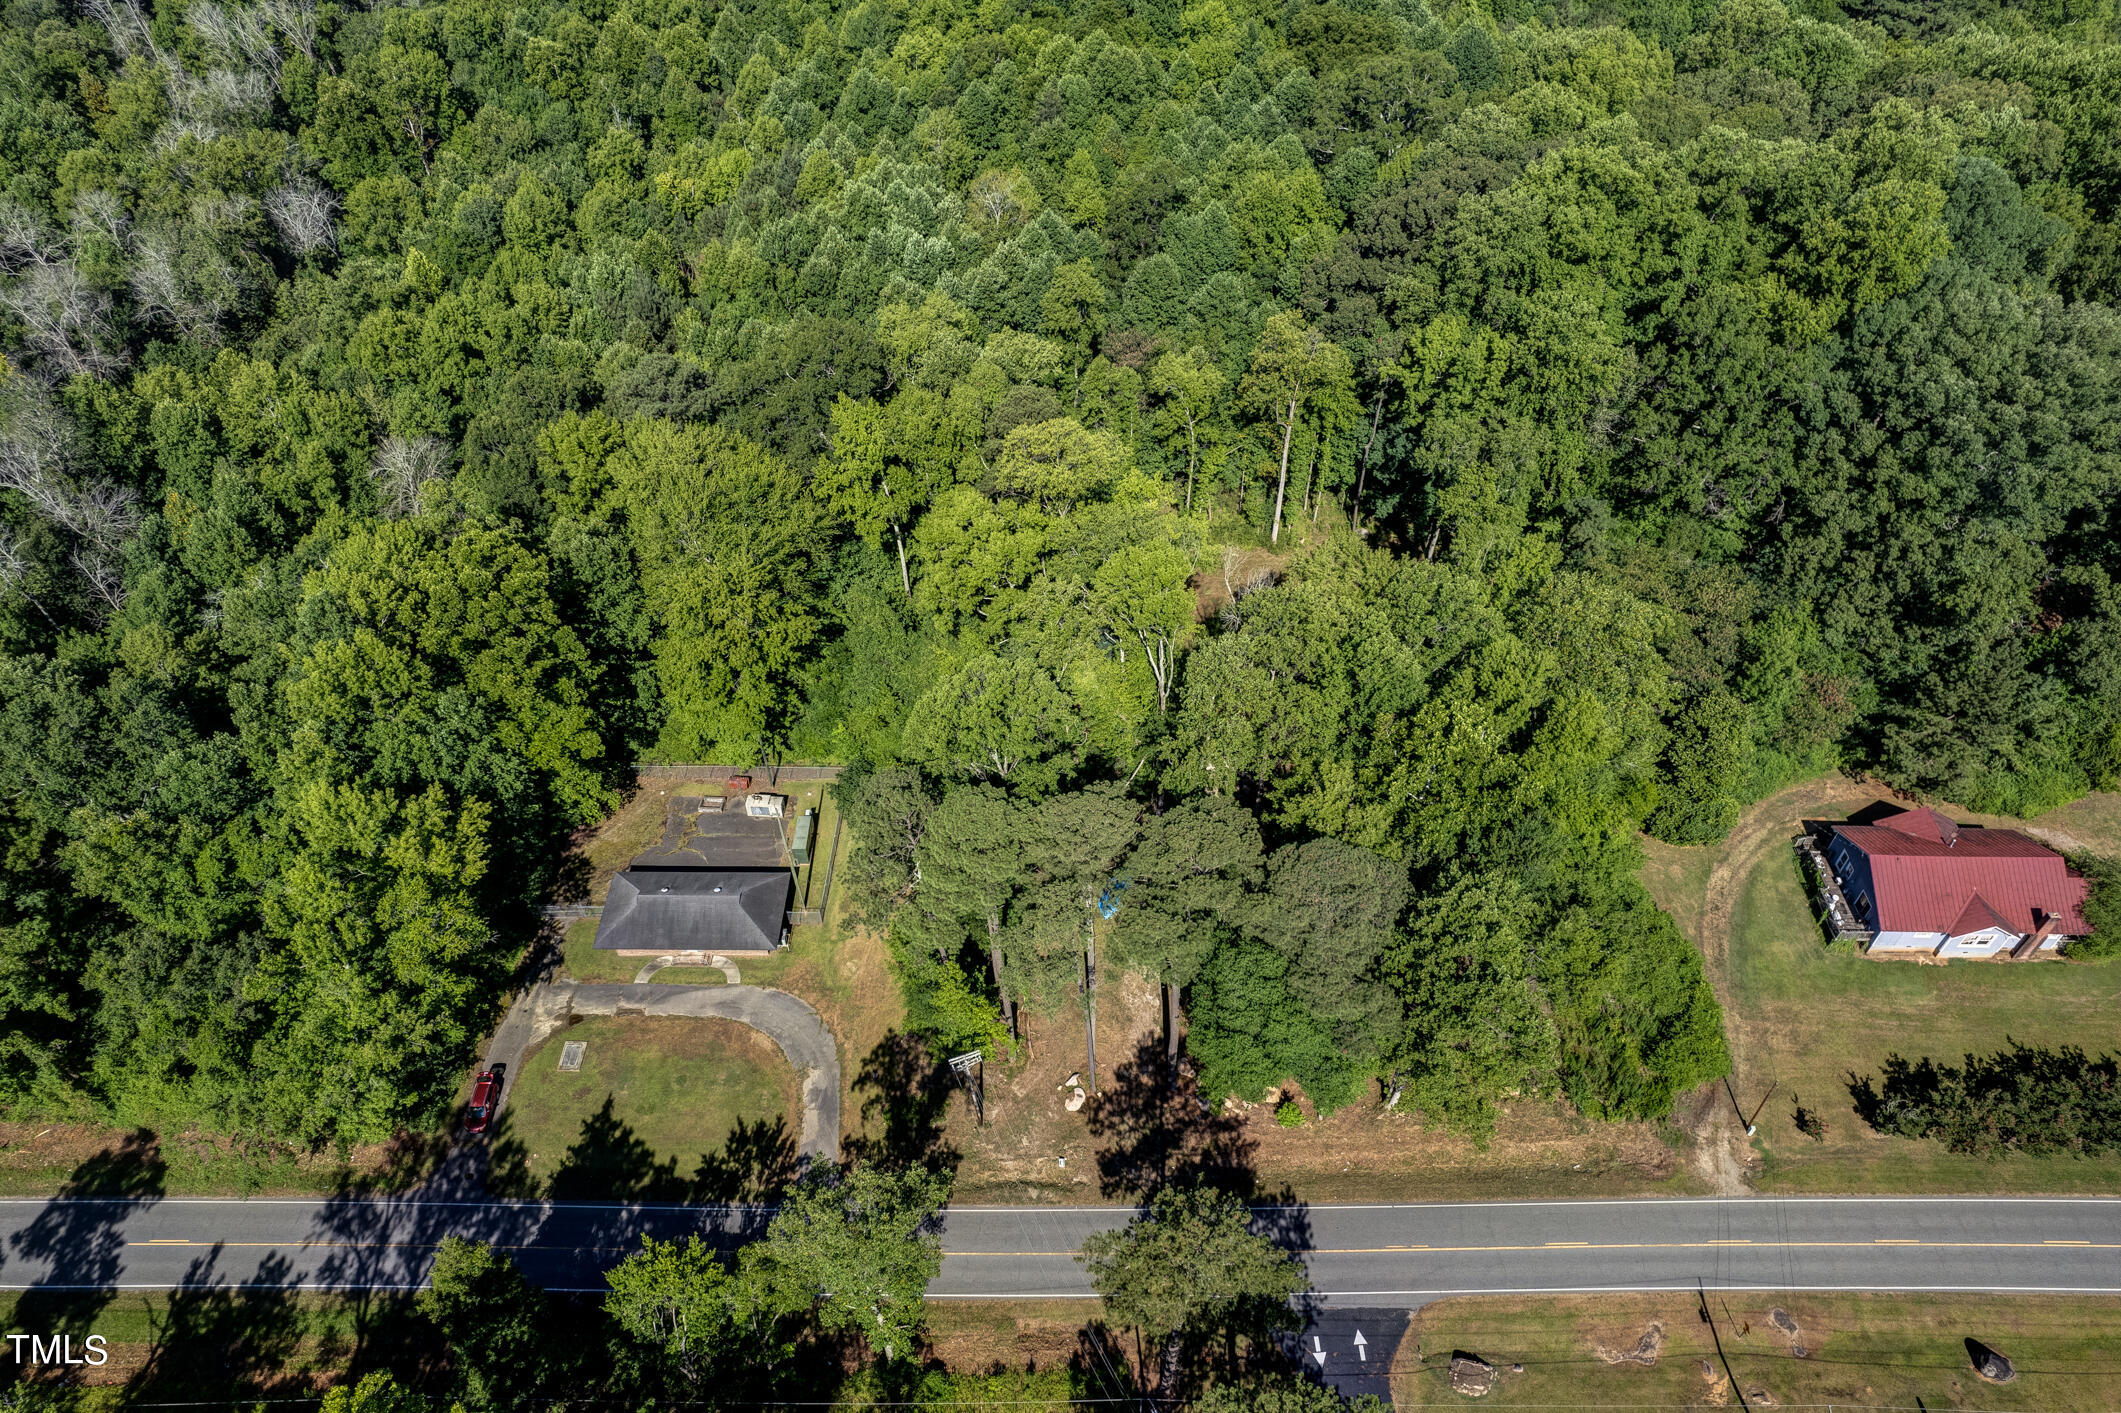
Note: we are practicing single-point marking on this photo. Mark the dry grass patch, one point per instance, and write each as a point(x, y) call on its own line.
point(845, 974)
point(41, 1159)
point(1010, 1336)
point(1360, 1153)
point(1780, 1349)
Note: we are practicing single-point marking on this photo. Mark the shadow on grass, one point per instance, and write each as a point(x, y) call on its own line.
point(1151, 1132)
point(907, 1088)
point(610, 1162)
point(217, 1340)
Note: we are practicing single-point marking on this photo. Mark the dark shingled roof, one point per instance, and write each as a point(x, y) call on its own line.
point(695, 910)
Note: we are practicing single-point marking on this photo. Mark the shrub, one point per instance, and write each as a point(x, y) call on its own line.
point(2025, 1100)
point(2102, 909)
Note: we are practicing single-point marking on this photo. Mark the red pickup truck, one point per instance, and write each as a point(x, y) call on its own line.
point(485, 1098)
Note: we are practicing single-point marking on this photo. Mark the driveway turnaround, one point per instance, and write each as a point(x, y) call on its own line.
point(1359, 1257)
point(787, 1020)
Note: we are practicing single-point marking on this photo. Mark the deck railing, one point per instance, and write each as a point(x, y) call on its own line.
point(1831, 905)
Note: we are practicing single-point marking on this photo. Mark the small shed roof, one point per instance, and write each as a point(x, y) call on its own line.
point(694, 910)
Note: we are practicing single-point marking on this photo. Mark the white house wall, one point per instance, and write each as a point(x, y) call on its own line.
point(1980, 944)
point(1906, 941)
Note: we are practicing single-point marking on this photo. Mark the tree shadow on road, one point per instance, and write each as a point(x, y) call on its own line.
point(80, 1243)
point(906, 1089)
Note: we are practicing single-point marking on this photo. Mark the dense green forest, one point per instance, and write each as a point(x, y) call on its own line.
point(1308, 480)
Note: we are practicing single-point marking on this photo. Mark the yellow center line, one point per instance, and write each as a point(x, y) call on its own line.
point(408, 1245)
point(2073, 1243)
point(1638, 1246)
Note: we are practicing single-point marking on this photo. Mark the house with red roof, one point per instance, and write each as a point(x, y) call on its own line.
point(1924, 885)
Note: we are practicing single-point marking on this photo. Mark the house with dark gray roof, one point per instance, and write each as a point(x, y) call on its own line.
point(717, 881)
point(658, 911)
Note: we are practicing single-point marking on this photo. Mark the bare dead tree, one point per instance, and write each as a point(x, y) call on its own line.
point(14, 564)
point(105, 515)
point(104, 579)
point(238, 37)
point(100, 515)
point(25, 240)
point(127, 26)
point(14, 568)
point(65, 319)
point(403, 466)
point(33, 452)
point(296, 20)
point(100, 213)
point(301, 211)
point(193, 293)
point(223, 93)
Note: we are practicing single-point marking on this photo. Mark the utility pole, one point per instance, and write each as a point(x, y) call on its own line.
point(1090, 1002)
point(971, 1071)
point(1722, 1358)
point(1757, 1108)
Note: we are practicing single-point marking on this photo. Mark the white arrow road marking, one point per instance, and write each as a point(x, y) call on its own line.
point(1318, 1352)
point(1360, 1352)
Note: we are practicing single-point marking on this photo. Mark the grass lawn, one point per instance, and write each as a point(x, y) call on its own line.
point(812, 879)
point(1803, 1018)
point(655, 1097)
point(991, 1336)
point(580, 959)
point(1878, 1350)
point(219, 1346)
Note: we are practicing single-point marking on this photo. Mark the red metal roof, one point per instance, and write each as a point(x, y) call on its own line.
point(1923, 823)
point(1978, 916)
point(1927, 874)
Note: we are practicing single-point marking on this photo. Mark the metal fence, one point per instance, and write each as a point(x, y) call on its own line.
point(769, 774)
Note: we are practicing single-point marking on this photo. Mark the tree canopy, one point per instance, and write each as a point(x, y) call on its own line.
point(1358, 464)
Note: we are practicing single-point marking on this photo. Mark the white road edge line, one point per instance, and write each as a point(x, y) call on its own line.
point(529, 1205)
point(1619, 1290)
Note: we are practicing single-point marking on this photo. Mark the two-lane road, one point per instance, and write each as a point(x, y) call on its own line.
point(1402, 1255)
point(1406, 1255)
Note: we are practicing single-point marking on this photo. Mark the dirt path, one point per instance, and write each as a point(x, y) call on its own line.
point(1721, 1153)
